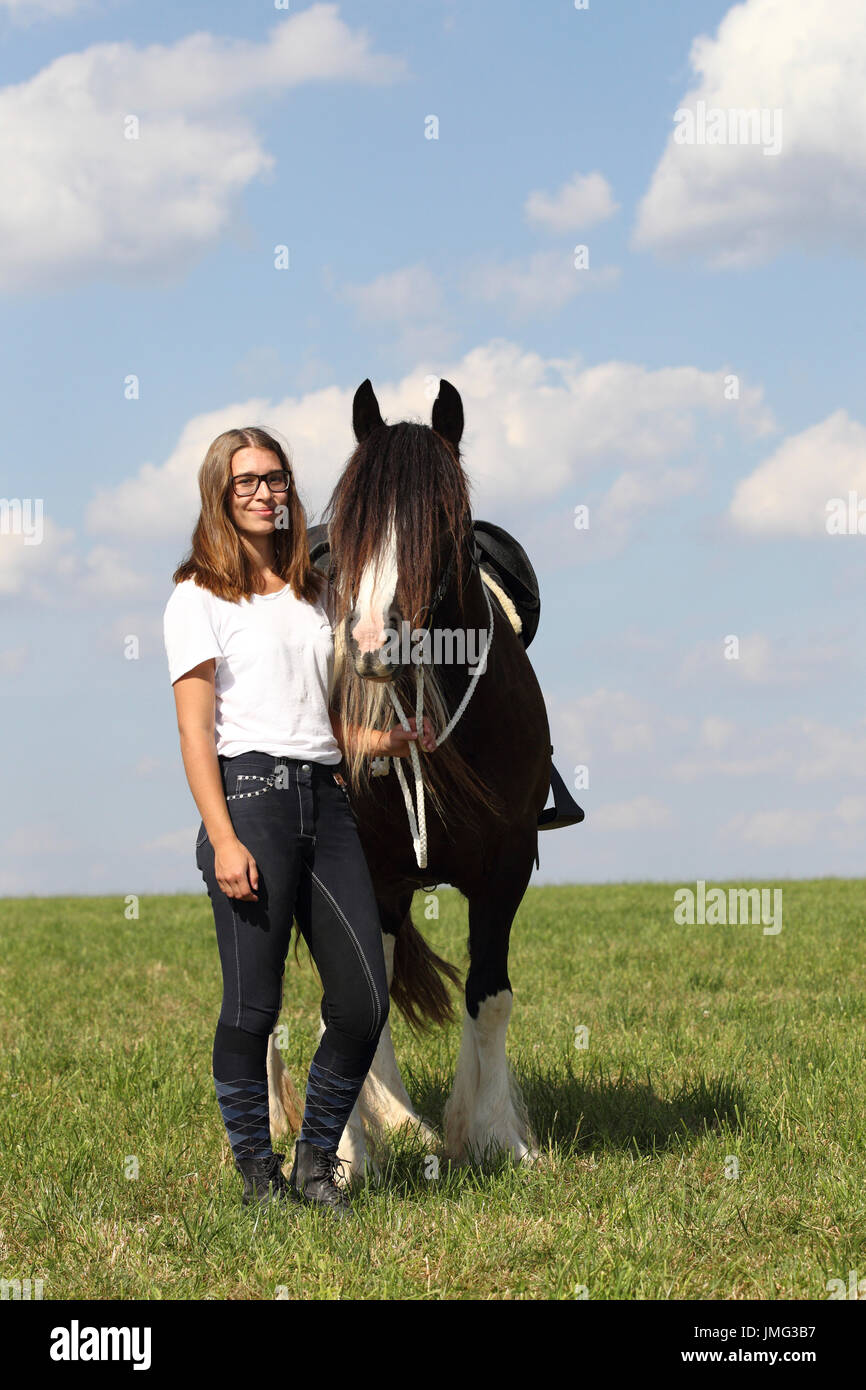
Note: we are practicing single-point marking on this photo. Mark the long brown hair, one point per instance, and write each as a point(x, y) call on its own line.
point(218, 560)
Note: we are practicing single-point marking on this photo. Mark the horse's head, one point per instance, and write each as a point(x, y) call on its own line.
point(398, 520)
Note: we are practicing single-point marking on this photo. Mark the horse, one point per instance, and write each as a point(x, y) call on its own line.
point(401, 547)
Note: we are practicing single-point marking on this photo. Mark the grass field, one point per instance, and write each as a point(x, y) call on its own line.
point(706, 1044)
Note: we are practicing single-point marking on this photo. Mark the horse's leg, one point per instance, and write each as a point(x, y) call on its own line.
point(384, 1102)
point(485, 1107)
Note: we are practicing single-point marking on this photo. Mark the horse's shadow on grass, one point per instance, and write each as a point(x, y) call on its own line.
point(581, 1115)
point(588, 1114)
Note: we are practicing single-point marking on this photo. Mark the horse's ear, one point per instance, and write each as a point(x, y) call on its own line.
point(365, 411)
point(448, 413)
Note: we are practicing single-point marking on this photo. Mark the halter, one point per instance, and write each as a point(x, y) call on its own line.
point(418, 826)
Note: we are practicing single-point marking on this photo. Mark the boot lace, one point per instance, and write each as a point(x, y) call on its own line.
point(326, 1166)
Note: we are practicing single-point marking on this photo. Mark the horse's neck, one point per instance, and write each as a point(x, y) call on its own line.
point(471, 614)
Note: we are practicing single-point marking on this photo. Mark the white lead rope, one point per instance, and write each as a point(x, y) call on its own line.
point(418, 828)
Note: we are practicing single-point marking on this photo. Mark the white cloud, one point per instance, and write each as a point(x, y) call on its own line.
point(771, 829)
point(731, 202)
point(851, 810)
point(583, 201)
point(540, 285)
point(13, 660)
point(397, 295)
point(150, 766)
point(802, 749)
point(757, 661)
point(787, 494)
point(37, 568)
point(609, 720)
point(53, 571)
point(90, 202)
point(641, 813)
point(827, 750)
point(797, 825)
point(106, 573)
point(174, 841)
point(26, 841)
point(409, 300)
point(533, 426)
point(755, 764)
point(25, 10)
point(162, 499)
point(14, 885)
point(761, 661)
point(635, 492)
point(716, 732)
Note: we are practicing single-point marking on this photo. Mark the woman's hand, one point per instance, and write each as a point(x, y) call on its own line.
point(236, 871)
point(395, 742)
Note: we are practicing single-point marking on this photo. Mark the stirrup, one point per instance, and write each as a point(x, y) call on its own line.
point(565, 810)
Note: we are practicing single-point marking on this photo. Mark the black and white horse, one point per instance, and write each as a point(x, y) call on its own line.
point(466, 813)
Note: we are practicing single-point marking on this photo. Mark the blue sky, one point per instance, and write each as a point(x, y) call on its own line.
point(412, 258)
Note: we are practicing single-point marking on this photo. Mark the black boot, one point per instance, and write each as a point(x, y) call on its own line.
point(261, 1173)
point(312, 1179)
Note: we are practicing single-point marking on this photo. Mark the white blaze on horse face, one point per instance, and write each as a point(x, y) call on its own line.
point(375, 596)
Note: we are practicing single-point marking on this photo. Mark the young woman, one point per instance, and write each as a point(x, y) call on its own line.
point(250, 646)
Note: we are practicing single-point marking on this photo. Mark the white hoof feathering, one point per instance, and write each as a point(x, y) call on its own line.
point(353, 1151)
point(485, 1109)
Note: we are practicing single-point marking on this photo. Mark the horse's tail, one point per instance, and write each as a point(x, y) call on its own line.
point(418, 986)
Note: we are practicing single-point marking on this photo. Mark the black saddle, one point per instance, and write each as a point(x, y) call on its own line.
point(319, 547)
point(503, 557)
point(498, 553)
point(509, 564)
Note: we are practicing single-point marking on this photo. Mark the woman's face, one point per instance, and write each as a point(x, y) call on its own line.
point(255, 515)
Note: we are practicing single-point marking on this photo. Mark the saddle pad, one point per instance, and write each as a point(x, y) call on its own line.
point(492, 582)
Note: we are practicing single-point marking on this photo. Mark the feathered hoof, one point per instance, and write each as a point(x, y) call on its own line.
point(482, 1149)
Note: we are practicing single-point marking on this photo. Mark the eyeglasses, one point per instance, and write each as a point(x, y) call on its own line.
point(247, 484)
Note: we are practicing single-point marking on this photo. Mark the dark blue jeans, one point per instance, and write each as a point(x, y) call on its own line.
point(297, 823)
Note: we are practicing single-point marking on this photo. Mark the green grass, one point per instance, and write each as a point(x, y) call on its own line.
point(704, 1042)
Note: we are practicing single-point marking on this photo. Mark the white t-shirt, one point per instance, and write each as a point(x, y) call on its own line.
point(274, 664)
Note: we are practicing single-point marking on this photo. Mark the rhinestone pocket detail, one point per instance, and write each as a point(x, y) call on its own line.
point(251, 777)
